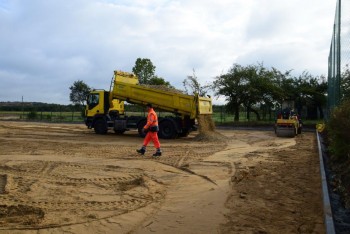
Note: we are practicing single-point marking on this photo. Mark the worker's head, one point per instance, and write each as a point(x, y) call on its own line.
point(149, 106)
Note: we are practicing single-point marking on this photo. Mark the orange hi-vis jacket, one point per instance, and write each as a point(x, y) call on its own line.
point(152, 119)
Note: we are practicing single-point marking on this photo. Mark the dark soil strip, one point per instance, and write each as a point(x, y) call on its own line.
point(3, 181)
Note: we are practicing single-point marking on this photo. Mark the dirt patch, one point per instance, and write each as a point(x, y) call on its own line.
point(63, 178)
point(277, 193)
point(3, 182)
point(20, 214)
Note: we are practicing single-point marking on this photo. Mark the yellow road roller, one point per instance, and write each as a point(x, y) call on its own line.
point(288, 123)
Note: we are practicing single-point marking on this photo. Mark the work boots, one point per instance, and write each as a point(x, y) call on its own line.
point(141, 151)
point(158, 153)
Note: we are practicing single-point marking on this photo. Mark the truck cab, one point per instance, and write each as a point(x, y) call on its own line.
point(100, 110)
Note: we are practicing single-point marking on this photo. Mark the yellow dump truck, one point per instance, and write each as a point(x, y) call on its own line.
point(105, 109)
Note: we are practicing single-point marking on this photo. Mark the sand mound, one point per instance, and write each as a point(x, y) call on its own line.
point(163, 88)
point(206, 128)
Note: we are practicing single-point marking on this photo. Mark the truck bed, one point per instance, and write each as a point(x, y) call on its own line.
point(165, 100)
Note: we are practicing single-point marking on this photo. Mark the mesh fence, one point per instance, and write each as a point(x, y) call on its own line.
point(339, 53)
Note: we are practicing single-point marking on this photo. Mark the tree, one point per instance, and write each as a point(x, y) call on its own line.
point(78, 92)
point(272, 93)
point(156, 80)
point(345, 83)
point(253, 86)
point(232, 85)
point(283, 86)
point(144, 70)
point(259, 88)
point(311, 92)
point(192, 85)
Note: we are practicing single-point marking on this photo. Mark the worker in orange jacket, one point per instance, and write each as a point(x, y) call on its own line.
point(151, 128)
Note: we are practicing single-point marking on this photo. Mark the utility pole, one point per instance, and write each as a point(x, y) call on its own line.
point(337, 90)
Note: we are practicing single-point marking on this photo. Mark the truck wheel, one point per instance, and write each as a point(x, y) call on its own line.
point(167, 130)
point(100, 126)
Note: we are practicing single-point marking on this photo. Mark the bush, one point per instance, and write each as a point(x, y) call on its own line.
point(339, 132)
point(338, 129)
point(32, 115)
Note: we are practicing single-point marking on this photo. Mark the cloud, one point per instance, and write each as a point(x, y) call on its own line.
point(47, 45)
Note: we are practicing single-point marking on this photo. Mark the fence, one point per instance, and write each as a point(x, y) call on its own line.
point(339, 53)
point(220, 115)
point(45, 116)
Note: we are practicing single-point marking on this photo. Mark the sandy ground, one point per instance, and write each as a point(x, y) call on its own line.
point(62, 178)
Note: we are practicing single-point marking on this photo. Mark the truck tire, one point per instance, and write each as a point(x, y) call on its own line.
point(167, 130)
point(100, 126)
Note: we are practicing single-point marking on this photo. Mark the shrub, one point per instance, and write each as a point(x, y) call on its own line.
point(338, 129)
point(32, 115)
point(339, 132)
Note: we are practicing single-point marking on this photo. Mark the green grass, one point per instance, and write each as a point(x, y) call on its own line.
point(42, 116)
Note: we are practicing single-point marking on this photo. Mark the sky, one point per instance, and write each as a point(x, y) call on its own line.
point(47, 45)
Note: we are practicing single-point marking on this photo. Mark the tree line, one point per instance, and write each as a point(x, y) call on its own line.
point(252, 87)
point(37, 106)
point(256, 87)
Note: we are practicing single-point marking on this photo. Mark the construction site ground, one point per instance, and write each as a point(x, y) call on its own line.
point(63, 178)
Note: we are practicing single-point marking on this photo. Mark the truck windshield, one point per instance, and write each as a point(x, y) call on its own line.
point(93, 100)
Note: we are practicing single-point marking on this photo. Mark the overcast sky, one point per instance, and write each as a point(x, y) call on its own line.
point(46, 45)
